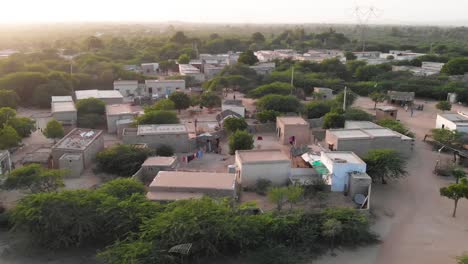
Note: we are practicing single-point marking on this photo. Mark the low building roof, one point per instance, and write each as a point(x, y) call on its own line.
point(159, 161)
point(342, 157)
point(360, 124)
point(134, 82)
point(455, 117)
point(194, 180)
point(59, 107)
point(162, 129)
point(261, 156)
point(233, 102)
point(120, 109)
point(99, 94)
point(363, 133)
point(172, 196)
point(56, 99)
point(292, 120)
point(387, 108)
point(78, 139)
point(401, 96)
point(164, 81)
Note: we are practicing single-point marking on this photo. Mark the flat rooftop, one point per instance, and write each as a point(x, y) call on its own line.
point(159, 161)
point(360, 133)
point(119, 109)
point(387, 108)
point(78, 139)
point(188, 69)
point(162, 129)
point(340, 156)
point(455, 117)
point(292, 120)
point(99, 94)
point(164, 81)
point(56, 99)
point(63, 107)
point(360, 124)
point(133, 82)
point(262, 156)
point(233, 102)
point(194, 180)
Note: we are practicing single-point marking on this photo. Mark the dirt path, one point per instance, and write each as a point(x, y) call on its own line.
point(413, 220)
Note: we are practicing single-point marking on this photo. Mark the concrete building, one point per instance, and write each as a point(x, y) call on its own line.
point(116, 112)
point(269, 164)
point(432, 66)
point(73, 163)
point(5, 162)
point(326, 93)
point(163, 88)
point(263, 68)
point(362, 140)
point(174, 135)
point(64, 110)
point(40, 156)
point(235, 106)
point(453, 121)
point(127, 88)
point(386, 112)
point(107, 96)
point(360, 125)
point(179, 185)
point(292, 129)
point(82, 142)
point(150, 68)
point(153, 165)
point(190, 70)
point(340, 165)
point(211, 70)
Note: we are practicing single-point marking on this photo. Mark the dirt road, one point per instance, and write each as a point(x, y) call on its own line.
point(413, 220)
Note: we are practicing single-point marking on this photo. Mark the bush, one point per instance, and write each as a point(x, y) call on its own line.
point(267, 116)
point(123, 160)
point(357, 115)
point(165, 151)
point(157, 118)
point(232, 124)
point(395, 126)
point(262, 186)
point(317, 109)
point(333, 120)
point(240, 140)
point(271, 88)
point(279, 103)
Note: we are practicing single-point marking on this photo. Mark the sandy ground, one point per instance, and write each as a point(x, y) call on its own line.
point(413, 220)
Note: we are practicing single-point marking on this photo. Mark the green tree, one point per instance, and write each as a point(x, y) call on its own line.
point(158, 118)
point(162, 104)
point(210, 100)
point(165, 151)
point(6, 115)
point(122, 160)
point(455, 192)
point(446, 137)
point(294, 194)
point(267, 116)
point(395, 125)
point(350, 56)
point(23, 126)
point(240, 140)
point(331, 229)
point(8, 98)
point(258, 37)
point(9, 138)
point(279, 196)
point(456, 66)
point(385, 163)
point(317, 109)
point(377, 97)
point(122, 188)
point(54, 130)
point(458, 173)
point(94, 43)
point(181, 100)
point(462, 259)
point(444, 106)
point(279, 103)
point(333, 120)
point(35, 178)
point(271, 88)
point(183, 59)
point(357, 115)
point(232, 124)
point(91, 112)
point(179, 38)
point(248, 57)
point(350, 99)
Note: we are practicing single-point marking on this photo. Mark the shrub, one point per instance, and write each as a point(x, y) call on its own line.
point(165, 151)
point(262, 185)
point(267, 116)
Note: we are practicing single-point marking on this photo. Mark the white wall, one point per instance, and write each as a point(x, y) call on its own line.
point(440, 120)
point(277, 173)
point(126, 89)
point(237, 109)
point(340, 172)
point(162, 87)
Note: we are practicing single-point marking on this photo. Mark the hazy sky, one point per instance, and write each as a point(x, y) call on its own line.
point(239, 11)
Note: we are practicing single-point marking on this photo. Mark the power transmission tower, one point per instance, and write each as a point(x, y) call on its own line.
point(363, 15)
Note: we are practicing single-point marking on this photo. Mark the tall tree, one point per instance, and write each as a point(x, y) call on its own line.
point(183, 59)
point(240, 140)
point(377, 97)
point(8, 98)
point(232, 124)
point(8, 137)
point(444, 106)
point(94, 43)
point(54, 130)
point(210, 100)
point(258, 37)
point(35, 178)
point(455, 192)
point(158, 118)
point(162, 104)
point(248, 57)
point(385, 163)
point(181, 100)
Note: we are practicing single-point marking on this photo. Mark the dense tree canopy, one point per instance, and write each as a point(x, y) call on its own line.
point(122, 160)
point(280, 103)
point(157, 118)
point(35, 178)
point(240, 140)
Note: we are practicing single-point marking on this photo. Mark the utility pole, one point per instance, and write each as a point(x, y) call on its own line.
point(344, 98)
point(71, 76)
point(292, 79)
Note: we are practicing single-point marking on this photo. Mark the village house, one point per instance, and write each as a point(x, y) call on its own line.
point(453, 121)
point(268, 164)
point(235, 106)
point(76, 151)
point(127, 87)
point(179, 185)
point(5, 162)
point(263, 68)
point(64, 110)
point(116, 112)
point(292, 130)
point(173, 135)
point(386, 112)
point(362, 138)
point(107, 96)
point(153, 165)
point(163, 88)
point(190, 70)
point(396, 97)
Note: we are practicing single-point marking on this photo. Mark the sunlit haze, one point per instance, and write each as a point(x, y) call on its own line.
point(448, 12)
